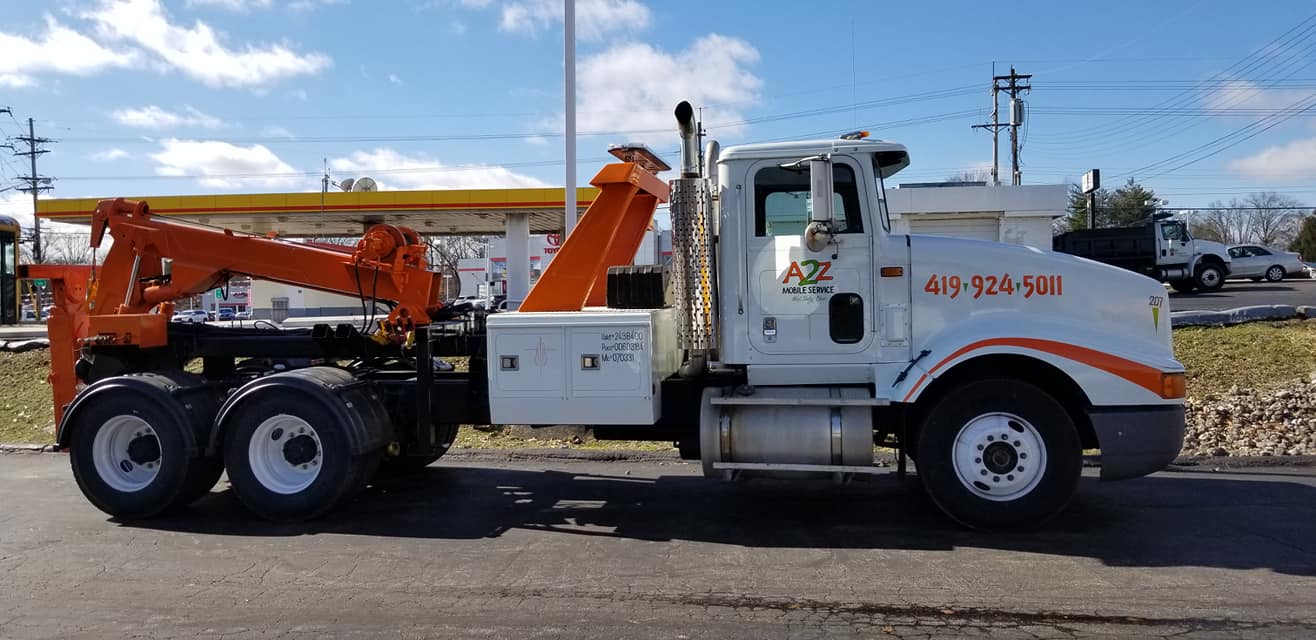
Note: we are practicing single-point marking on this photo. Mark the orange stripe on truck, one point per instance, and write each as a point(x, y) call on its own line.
point(1149, 378)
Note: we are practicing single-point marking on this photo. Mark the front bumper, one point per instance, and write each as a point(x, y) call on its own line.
point(1136, 441)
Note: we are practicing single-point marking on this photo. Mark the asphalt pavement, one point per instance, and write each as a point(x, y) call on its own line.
point(486, 546)
point(1245, 293)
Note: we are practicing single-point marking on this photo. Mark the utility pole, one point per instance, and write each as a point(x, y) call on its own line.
point(1014, 84)
point(35, 183)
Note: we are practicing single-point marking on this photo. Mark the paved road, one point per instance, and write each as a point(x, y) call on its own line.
point(1245, 293)
point(573, 549)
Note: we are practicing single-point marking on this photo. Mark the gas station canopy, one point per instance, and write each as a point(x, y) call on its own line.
point(345, 214)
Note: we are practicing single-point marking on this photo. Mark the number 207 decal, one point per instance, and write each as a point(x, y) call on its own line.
point(978, 286)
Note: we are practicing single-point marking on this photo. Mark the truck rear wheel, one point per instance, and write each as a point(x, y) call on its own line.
point(289, 459)
point(133, 442)
point(999, 454)
point(1210, 277)
point(397, 466)
point(130, 457)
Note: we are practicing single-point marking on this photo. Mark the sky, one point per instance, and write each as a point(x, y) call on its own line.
point(1199, 100)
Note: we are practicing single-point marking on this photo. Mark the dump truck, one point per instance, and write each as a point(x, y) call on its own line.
point(793, 332)
point(1159, 248)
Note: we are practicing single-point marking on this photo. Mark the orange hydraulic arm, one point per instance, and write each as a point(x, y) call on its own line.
point(608, 235)
point(130, 298)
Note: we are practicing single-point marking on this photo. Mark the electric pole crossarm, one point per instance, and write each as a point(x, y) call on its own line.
point(36, 183)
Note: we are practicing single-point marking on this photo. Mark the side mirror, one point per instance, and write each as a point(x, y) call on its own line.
point(818, 233)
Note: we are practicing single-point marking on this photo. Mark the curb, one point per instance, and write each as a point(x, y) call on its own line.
point(20, 447)
point(1241, 315)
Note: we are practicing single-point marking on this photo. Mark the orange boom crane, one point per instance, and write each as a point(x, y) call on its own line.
point(154, 262)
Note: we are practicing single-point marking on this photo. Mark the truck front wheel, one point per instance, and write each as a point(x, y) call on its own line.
point(1210, 277)
point(999, 454)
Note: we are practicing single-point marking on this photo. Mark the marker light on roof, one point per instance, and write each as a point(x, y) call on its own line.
point(855, 135)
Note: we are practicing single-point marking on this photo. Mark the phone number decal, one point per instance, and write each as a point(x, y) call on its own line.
point(977, 286)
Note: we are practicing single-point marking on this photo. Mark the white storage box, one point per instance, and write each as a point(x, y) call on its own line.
point(598, 366)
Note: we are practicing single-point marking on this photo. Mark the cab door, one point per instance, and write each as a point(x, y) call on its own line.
point(808, 303)
point(1172, 244)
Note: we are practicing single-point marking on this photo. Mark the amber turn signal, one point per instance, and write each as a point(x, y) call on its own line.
point(1172, 385)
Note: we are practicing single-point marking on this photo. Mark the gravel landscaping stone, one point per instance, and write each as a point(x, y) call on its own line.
point(1248, 422)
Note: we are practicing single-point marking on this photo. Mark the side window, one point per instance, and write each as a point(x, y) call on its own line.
point(781, 201)
point(1259, 251)
point(1236, 252)
point(1171, 232)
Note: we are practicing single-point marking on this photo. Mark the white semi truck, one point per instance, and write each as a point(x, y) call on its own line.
point(793, 332)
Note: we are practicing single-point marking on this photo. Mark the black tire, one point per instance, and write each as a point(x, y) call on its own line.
point(1275, 273)
point(177, 472)
point(397, 466)
point(980, 407)
point(204, 477)
point(340, 474)
point(1209, 277)
point(1183, 286)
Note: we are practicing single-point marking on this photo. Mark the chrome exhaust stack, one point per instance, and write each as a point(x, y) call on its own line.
point(694, 284)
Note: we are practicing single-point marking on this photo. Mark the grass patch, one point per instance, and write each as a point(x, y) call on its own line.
point(1257, 355)
point(26, 413)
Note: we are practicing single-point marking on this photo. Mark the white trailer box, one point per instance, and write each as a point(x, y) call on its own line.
point(598, 366)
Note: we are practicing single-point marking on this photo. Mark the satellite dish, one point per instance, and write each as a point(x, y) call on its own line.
point(365, 184)
point(346, 185)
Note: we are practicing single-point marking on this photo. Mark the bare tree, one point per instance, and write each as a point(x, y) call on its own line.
point(446, 251)
point(1265, 217)
point(971, 175)
point(1275, 218)
point(66, 248)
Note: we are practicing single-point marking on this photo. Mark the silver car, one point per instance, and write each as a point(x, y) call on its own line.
point(1257, 262)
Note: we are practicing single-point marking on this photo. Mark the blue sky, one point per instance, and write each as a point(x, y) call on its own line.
point(219, 96)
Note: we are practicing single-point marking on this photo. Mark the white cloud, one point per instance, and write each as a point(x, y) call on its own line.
point(109, 155)
point(199, 51)
point(392, 77)
point(231, 5)
point(594, 18)
point(394, 170)
point(17, 206)
point(223, 165)
point(634, 86)
point(275, 131)
point(153, 117)
point(310, 5)
point(1241, 94)
point(58, 49)
point(1278, 163)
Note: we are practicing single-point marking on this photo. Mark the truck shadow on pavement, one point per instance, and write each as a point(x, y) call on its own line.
point(1164, 521)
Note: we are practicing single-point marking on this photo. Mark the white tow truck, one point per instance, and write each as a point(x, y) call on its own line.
point(792, 333)
point(810, 331)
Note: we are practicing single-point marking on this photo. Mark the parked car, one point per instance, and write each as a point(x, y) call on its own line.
point(244, 315)
point(191, 315)
point(1311, 269)
point(226, 314)
point(1258, 262)
point(476, 302)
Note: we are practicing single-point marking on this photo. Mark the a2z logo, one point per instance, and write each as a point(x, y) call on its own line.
point(817, 272)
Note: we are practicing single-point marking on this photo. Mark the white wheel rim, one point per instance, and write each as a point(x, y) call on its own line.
point(1210, 277)
point(285, 454)
point(126, 453)
point(1275, 273)
point(999, 457)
